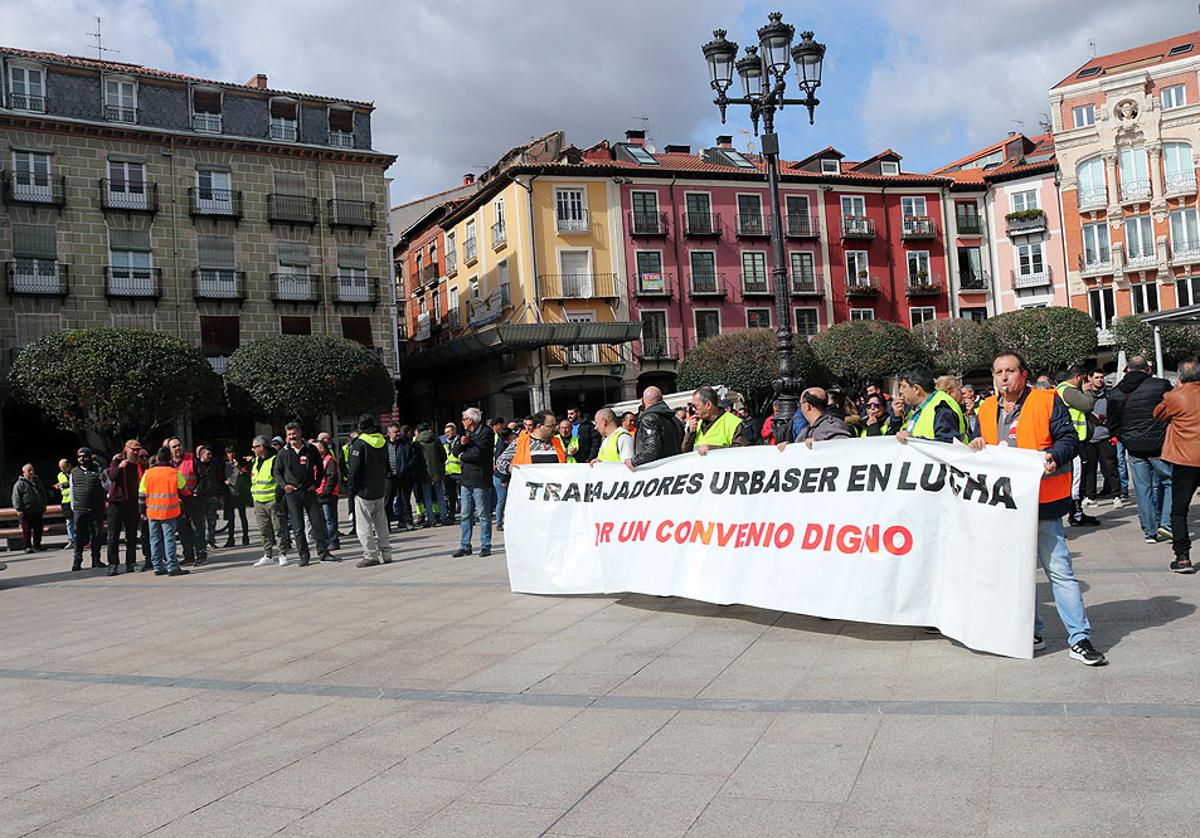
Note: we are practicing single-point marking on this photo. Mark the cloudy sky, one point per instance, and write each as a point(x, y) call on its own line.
point(457, 83)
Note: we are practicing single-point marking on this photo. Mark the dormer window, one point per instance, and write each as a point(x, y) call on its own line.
point(889, 167)
point(206, 109)
point(120, 99)
point(341, 127)
point(26, 88)
point(830, 166)
point(283, 119)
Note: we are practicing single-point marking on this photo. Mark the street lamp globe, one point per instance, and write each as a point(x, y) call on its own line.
point(808, 55)
point(775, 44)
point(720, 54)
point(750, 68)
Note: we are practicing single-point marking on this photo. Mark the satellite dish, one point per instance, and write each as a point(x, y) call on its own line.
point(650, 148)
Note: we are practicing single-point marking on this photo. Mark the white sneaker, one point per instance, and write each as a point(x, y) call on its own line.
point(1118, 503)
point(283, 559)
point(264, 561)
point(1088, 503)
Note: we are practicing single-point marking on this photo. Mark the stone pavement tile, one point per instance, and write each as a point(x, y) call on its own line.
point(1097, 763)
point(389, 804)
point(226, 817)
point(312, 781)
point(145, 808)
point(416, 727)
point(551, 779)
point(597, 730)
point(633, 803)
point(507, 676)
point(480, 820)
point(523, 717)
point(20, 817)
point(961, 741)
point(722, 718)
point(759, 681)
point(690, 749)
point(76, 753)
point(814, 771)
point(471, 754)
point(42, 735)
point(909, 797)
point(564, 682)
point(726, 816)
point(1053, 808)
point(669, 676)
point(101, 780)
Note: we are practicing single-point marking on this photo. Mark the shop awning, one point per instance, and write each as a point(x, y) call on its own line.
point(516, 337)
point(1182, 316)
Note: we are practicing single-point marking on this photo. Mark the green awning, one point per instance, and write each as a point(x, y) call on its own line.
point(516, 337)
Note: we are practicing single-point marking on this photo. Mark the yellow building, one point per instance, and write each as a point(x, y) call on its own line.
point(538, 314)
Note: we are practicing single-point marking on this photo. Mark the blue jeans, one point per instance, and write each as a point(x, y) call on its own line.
point(1122, 469)
point(70, 519)
point(475, 502)
point(429, 493)
point(1055, 559)
point(329, 511)
point(501, 490)
point(162, 544)
point(1152, 486)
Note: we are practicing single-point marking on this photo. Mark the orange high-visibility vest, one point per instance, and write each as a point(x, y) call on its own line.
point(1033, 432)
point(162, 493)
point(523, 456)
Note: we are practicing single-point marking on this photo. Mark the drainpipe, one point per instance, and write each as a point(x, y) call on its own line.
point(677, 216)
point(537, 291)
point(951, 264)
point(887, 226)
point(1062, 235)
point(179, 290)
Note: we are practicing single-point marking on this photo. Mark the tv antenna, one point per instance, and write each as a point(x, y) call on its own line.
point(98, 37)
point(749, 140)
point(1092, 46)
point(1019, 123)
point(645, 120)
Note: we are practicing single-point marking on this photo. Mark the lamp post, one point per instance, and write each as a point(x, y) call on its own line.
point(763, 71)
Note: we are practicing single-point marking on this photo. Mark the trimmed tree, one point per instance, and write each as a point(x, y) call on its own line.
point(307, 376)
point(106, 384)
point(955, 345)
point(863, 352)
point(745, 361)
point(1049, 338)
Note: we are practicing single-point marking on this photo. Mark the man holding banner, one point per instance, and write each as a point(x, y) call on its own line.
point(1021, 417)
point(710, 426)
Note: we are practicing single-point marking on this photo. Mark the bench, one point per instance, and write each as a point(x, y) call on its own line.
point(10, 528)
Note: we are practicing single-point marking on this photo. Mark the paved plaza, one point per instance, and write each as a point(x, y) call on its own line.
point(423, 698)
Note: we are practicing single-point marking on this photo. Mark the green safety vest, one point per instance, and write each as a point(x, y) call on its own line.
point(263, 488)
point(609, 452)
point(921, 425)
point(720, 433)
point(453, 463)
point(1077, 417)
point(66, 487)
point(571, 448)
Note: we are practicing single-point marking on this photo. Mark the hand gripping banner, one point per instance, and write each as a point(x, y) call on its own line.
point(923, 534)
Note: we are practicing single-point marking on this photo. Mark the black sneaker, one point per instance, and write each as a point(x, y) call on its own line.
point(1039, 643)
point(485, 552)
point(459, 553)
point(160, 573)
point(179, 571)
point(1085, 653)
point(1085, 521)
point(329, 557)
point(1183, 566)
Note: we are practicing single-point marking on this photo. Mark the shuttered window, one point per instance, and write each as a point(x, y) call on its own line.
point(352, 257)
point(34, 241)
point(129, 239)
point(289, 183)
point(216, 252)
point(293, 255)
point(348, 188)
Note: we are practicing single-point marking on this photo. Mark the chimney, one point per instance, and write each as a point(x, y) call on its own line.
point(635, 137)
point(725, 141)
point(679, 149)
point(468, 179)
point(258, 81)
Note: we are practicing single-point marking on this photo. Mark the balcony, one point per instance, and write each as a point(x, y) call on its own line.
point(863, 285)
point(219, 284)
point(857, 227)
point(133, 283)
point(351, 214)
point(1185, 251)
point(36, 278)
point(284, 131)
point(1105, 337)
point(470, 252)
point(577, 286)
point(572, 222)
point(756, 285)
point(1043, 278)
point(1133, 191)
point(807, 285)
point(26, 102)
point(801, 227)
point(428, 274)
point(701, 224)
point(24, 188)
point(1092, 198)
point(658, 349)
point(918, 227)
point(1025, 222)
point(499, 235)
point(968, 225)
point(603, 354)
point(451, 264)
point(293, 287)
point(120, 113)
point(341, 139)
point(927, 286)
point(291, 209)
point(206, 123)
point(356, 289)
point(706, 285)
point(653, 284)
point(215, 203)
point(219, 363)
point(1092, 262)
point(1140, 261)
point(752, 225)
point(128, 197)
point(976, 282)
point(1180, 183)
point(647, 223)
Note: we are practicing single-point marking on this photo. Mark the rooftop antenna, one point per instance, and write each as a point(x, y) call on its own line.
point(1019, 123)
point(99, 39)
point(749, 140)
point(1092, 43)
point(645, 120)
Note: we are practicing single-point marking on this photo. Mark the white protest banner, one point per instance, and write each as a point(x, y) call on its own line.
point(923, 534)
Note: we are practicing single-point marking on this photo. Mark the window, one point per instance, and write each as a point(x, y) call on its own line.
point(1174, 96)
point(737, 159)
point(1135, 173)
point(654, 334)
point(1093, 189)
point(857, 270)
point(214, 195)
point(854, 214)
point(499, 229)
point(581, 354)
point(758, 318)
point(1084, 115)
point(920, 314)
point(570, 207)
point(220, 336)
point(295, 325)
point(699, 218)
point(126, 184)
point(649, 271)
point(575, 267)
point(35, 259)
point(708, 324)
point(26, 88)
point(1139, 240)
point(1026, 199)
point(31, 176)
point(451, 255)
point(1144, 297)
point(1088, 72)
point(206, 110)
point(120, 100)
point(1179, 168)
point(889, 167)
point(1096, 251)
point(918, 267)
point(470, 246)
point(804, 276)
point(978, 314)
point(807, 322)
point(294, 281)
point(1185, 236)
point(341, 127)
point(130, 264)
point(911, 205)
point(217, 277)
point(862, 314)
point(966, 218)
point(502, 283)
point(1187, 291)
point(970, 269)
point(645, 218)
point(704, 272)
point(283, 120)
point(830, 166)
point(358, 329)
point(352, 283)
point(750, 215)
point(640, 154)
point(1101, 307)
point(1180, 49)
point(1029, 260)
point(754, 273)
point(452, 307)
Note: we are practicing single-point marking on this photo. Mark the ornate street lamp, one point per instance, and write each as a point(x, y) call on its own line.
point(763, 71)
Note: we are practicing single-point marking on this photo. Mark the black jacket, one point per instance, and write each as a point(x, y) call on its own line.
point(409, 464)
point(476, 456)
point(29, 496)
point(210, 479)
point(87, 490)
point(589, 442)
point(368, 466)
point(301, 469)
point(659, 435)
point(1131, 413)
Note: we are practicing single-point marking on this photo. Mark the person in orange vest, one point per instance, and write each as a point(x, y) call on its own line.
point(1023, 417)
point(541, 445)
point(159, 498)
